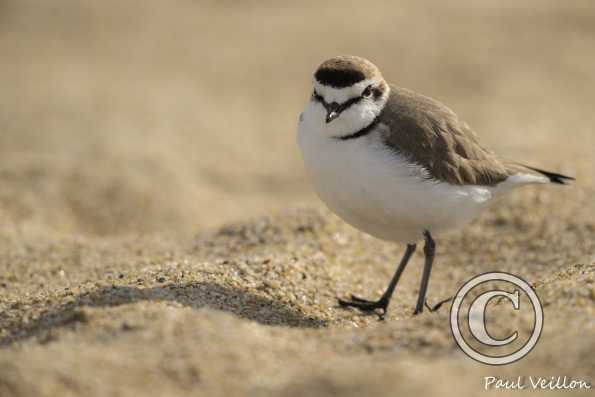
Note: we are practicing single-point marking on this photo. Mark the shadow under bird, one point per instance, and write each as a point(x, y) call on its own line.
point(398, 165)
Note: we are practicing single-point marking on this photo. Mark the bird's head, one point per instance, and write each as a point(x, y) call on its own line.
point(348, 93)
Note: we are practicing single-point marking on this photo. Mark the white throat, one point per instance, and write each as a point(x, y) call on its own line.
point(352, 119)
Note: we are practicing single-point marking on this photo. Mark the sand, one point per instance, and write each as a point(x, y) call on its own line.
point(158, 235)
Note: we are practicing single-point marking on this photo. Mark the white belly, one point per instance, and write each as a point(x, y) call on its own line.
point(378, 192)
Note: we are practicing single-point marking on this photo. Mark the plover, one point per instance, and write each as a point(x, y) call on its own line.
point(398, 165)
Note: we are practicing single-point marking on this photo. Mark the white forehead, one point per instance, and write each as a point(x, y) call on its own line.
point(340, 95)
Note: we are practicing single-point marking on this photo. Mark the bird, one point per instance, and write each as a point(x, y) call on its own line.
point(398, 165)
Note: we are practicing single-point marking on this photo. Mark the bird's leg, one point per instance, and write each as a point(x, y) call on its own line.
point(382, 303)
point(429, 251)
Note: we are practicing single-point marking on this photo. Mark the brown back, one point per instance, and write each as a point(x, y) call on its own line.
point(430, 134)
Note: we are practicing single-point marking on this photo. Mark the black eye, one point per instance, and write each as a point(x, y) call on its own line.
point(317, 97)
point(367, 92)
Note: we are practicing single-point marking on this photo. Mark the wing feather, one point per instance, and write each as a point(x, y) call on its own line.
point(432, 135)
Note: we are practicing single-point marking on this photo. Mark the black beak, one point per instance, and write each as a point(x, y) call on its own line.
point(332, 111)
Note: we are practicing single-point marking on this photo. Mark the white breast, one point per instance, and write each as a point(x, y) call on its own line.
point(377, 191)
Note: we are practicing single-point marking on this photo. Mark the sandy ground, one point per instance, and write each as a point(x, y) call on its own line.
point(158, 235)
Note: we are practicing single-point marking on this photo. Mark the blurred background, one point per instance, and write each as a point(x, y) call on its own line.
point(132, 130)
point(120, 117)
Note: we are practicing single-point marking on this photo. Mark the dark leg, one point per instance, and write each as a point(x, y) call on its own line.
point(429, 250)
point(382, 303)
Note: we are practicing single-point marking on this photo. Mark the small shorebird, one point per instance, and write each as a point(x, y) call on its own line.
point(398, 165)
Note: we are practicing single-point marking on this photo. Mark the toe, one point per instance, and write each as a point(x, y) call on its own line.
point(358, 299)
point(363, 306)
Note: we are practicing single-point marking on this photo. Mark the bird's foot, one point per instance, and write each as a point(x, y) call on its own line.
point(431, 309)
point(365, 305)
point(437, 305)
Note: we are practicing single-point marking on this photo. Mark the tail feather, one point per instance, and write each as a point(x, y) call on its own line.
point(552, 176)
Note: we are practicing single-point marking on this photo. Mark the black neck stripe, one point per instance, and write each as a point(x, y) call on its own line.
point(363, 132)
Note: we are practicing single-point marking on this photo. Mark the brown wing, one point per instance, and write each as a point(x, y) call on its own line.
point(431, 135)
